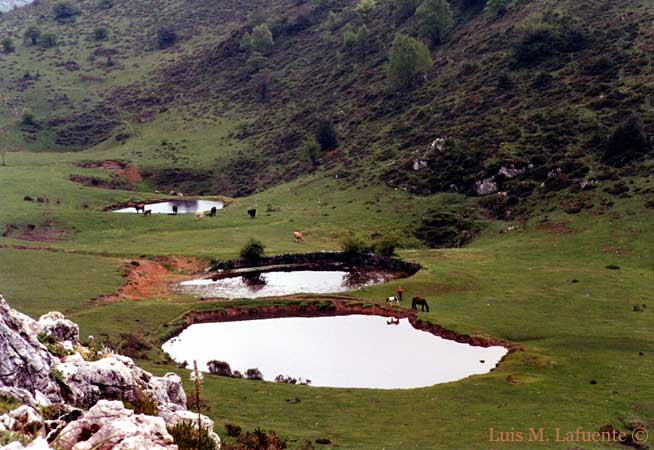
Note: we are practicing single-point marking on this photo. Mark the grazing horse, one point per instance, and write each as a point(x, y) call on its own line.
point(174, 210)
point(199, 215)
point(419, 301)
point(400, 293)
point(212, 213)
point(139, 207)
point(393, 299)
point(298, 236)
point(393, 321)
point(147, 212)
point(252, 213)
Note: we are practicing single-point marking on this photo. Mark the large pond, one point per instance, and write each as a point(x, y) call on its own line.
point(276, 283)
point(183, 206)
point(355, 351)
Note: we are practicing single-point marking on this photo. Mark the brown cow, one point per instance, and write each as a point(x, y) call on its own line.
point(298, 236)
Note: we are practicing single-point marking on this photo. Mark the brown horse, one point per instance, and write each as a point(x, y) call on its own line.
point(419, 301)
point(139, 207)
point(400, 293)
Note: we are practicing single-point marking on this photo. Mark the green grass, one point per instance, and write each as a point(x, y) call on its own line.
point(515, 286)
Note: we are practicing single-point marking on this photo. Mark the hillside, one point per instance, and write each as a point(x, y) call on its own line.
point(525, 102)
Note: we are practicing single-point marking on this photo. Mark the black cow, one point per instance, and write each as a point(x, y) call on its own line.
point(212, 213)
point(252, 212)
point(174, 210)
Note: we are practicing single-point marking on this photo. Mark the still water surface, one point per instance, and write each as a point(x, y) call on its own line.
point(183, 206)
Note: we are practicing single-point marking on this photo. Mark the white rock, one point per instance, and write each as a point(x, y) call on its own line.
point(55, 325)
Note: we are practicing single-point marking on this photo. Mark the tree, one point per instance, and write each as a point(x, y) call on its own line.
point(65, 11)
point(497, 7)
point(408, 59)
point(8, 45)
point(627, 143)
point(262, 39)
point(326, 135)
point(221, 368)
point(166, 37)
point(32, 35)
point(310, 150)
point(435, 20)
point(353, 42)
point(403, 9)
point(252, 251)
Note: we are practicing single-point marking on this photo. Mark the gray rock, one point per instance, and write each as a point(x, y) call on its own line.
point(56, 326)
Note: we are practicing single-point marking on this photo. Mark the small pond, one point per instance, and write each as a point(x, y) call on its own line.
point(183, 206)
point(277, 283)
point(356, 351)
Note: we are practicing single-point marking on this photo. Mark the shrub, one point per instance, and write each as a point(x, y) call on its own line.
point(246, 41)
point(386, 246)
point(497, 7)
point(134, 346)
point(232, 430)
point(365, 7)
point(332, 20)
point(403, 9)
point(310, 150)
point(187, 436)
point(252, 251)
point(262, 39)
point(166, 37)
point(48, 40)
point(445, 229)
point(435, 20)
point(258, 439)
point(355, 246)
point(326, 135)
point(408, 59)
point(144, 403)
point(253, 374)
point(65, 11)
point(545, 40)
point(32, 35)
point(627, 143)
point(100, 34)
point(29, 119)
point(220, 368)
point(8, 46)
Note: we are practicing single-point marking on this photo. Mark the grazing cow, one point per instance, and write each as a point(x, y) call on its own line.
point(393, 299)
point(419, 301)
point(298, 236)
point(147, 212)
point(252, 213)
point(140, 207)
point(212, 213)
point(400, 293)
point(174, 210)
point(199, 215)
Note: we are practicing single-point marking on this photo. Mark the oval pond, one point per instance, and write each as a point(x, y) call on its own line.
point(276, 283)
point(356, 351)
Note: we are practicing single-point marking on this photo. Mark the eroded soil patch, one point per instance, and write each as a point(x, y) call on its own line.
point(50, 231)
point(123, 175)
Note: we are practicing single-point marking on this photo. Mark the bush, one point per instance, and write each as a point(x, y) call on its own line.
point(29, 120)
point(246, 41)
point(259, 440)
point(134, 346)
point(187, 436)
point(310, 150)
point(65, 11)
point(545, 40)
point(435, 20)
point(220, 368)
point(48, 40)
point(166, 37)
point(8, 46)
point(326, 135)
point(232, 430)
point(100, 34)
point(365, 7)
point(444, 229)
point(403, 9)
point(355, 246)
point(32, 35)
point(497, 7)
point(253, 374)
point(262, 39)
point(252, 251)
point(408, 59)
point(627, 143)
point(386, 246)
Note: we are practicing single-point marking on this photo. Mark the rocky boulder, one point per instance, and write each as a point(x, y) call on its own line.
point(25, 363)
point(55, 326)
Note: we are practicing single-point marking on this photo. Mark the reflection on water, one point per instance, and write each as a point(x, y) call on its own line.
point(346, 351)
point(183, 206)
point(271, 284)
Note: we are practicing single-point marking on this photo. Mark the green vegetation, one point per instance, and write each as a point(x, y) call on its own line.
point(253, 251)
point(408, 60)
point(435, 19)
point(262, 39)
